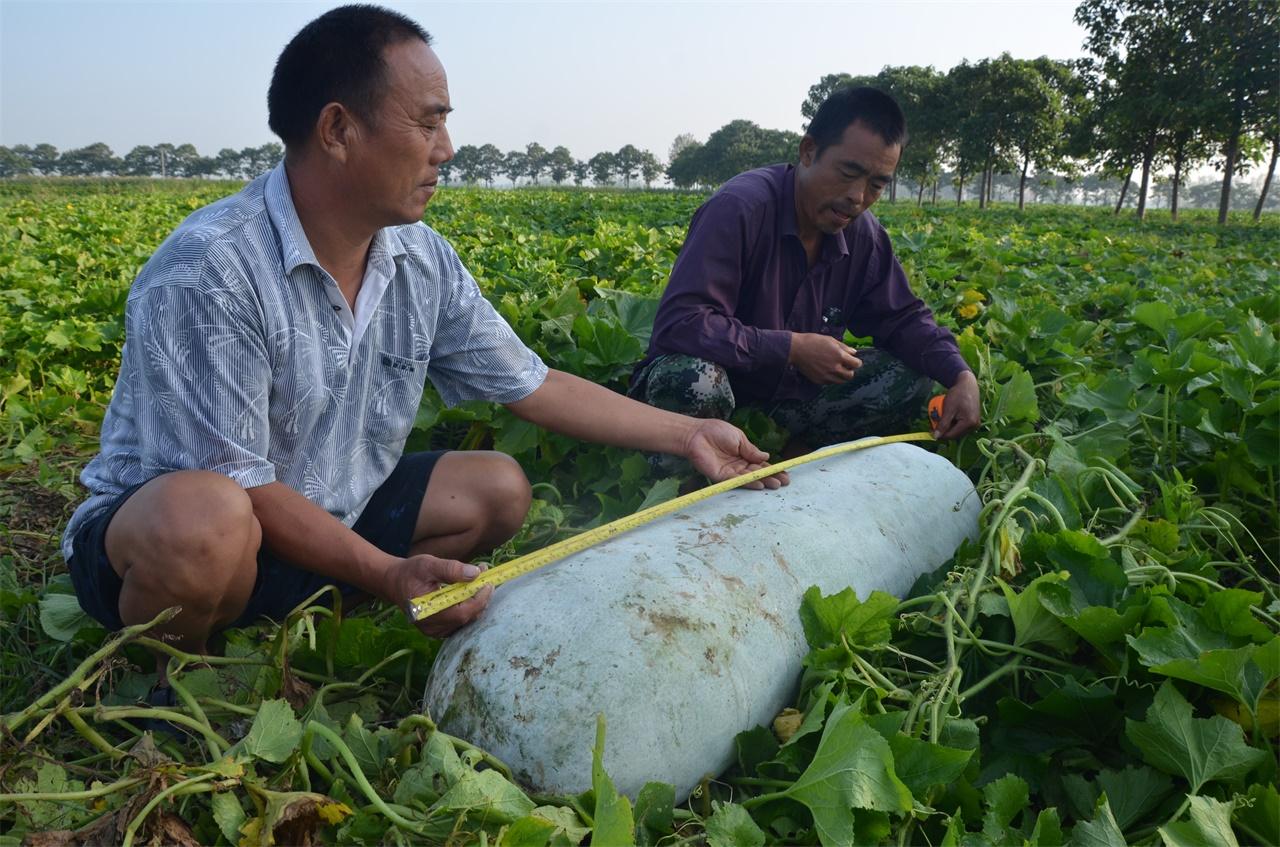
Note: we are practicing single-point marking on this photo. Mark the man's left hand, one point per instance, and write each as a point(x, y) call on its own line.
point(721, 451)
point(961, 410)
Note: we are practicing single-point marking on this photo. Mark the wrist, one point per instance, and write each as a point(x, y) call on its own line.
point(378, 571)
point(794, 350)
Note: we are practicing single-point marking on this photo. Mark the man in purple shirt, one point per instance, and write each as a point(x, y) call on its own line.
point(777, 265)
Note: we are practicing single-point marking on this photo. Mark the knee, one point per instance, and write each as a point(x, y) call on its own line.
point(191, 536)
point(507, 496)
point(690, 386)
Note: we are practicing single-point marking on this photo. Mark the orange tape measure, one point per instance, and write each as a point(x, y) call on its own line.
point(935, 412)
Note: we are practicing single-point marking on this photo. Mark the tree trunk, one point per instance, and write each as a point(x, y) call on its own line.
point(1178, 156)
point(991, 184)
point(893, 189)
point(1266, 182)
point(1148, 153)
point(933, 200)
point(1233, 152)
point(1124, 189)
point(920, 196)
point(982, 188)
point(1022, 181)
point(960, 189)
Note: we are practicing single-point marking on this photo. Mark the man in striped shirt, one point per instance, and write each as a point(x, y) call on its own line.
point(277, 347)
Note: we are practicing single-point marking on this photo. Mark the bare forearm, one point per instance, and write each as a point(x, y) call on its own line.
point(302, 533)
point(575, 407)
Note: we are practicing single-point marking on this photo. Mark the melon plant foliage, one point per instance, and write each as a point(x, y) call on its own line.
point(1099, 668)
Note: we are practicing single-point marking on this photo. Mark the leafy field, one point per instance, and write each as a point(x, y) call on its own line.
point(1099, 669)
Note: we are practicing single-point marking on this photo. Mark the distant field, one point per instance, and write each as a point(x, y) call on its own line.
point(1131, 382)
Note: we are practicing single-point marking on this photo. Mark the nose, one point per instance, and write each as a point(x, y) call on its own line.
point(443, 151)
point(857, 193)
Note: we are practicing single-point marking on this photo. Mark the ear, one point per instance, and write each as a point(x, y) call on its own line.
point(336, 130)
point(808, 150)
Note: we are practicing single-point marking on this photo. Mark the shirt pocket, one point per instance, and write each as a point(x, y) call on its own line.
point(395, 393)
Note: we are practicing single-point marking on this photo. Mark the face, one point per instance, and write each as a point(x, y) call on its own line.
point(393, 164)
point(834, 187)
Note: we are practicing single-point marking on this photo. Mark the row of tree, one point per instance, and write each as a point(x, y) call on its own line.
point(1169, 85)
point(162, 160)
point(485, 163)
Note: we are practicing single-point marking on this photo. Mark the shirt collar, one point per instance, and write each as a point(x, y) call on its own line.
point(295, 250)
point(833, 246)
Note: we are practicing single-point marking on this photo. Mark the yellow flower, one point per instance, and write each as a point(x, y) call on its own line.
point(969, 311)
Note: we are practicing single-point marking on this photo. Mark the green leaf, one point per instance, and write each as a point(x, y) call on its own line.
point(921, 764)
point(1155, 314)
point(527, 832)
point(568, 831)
point(731, 826)
point(1004, 799)
point(655, 811)
point(862, 623)
point(1237, 672)
point(275, 733)
point(1032, 622)
point(1102, 831)
point(1199, 750)
point(1257, 815)
point(1047, 831)
point(1209, 826)
point(1136, 792)
point(485, 796)
point(366, 746)
point(852, 769)
point(61, 616)
point(660, 492)
point(229, 815)
point(1017, 399)
point(613, 821)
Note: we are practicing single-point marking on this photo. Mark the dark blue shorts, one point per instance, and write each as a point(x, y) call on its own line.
point(387, 523)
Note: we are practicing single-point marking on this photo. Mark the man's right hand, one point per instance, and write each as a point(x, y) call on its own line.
point(418, 575)
point(823, 360)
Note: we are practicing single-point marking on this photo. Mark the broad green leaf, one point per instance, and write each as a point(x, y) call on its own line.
point(863, 623)
point(1047, 831)
point(229, 815)
point(1102, 831)
point(1199, 750)
point(1004, 799)
point(731, 826)
point(852, 769)
point(1154, 314)
point(1016, 400)
point(1209, 826)
point(526, 832)
point(1032, 622)
point(660, 492)
point(486, 797)
point(921, 764)
point(655, 810)
point(274, 735)
point(613, 820)
point(1237, 672)
point(1133, 792)
point(61, 616)
point(366, 746)
point(568, 829)
point(753, 746)
point(1257, 815)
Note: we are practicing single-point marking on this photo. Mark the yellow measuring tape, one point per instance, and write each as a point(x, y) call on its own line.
point(455, 593)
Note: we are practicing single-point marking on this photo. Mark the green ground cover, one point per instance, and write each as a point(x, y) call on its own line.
point(1100, 668)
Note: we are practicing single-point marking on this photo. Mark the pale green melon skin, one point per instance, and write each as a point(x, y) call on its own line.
point(686, 631)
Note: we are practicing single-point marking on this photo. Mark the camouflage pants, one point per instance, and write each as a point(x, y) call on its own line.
point(884, 397)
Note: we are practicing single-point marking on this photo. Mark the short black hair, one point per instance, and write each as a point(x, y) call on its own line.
point(335, 58)
point(861, 103)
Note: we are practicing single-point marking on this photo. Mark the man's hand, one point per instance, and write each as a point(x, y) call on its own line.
point(823, 360)
point(418, 575)
point(720, 451)
point(961, 410)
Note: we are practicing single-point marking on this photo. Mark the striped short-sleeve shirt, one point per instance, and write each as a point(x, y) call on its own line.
point(242, 356)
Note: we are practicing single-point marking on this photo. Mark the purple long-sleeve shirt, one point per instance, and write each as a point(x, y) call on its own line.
point(742, 284)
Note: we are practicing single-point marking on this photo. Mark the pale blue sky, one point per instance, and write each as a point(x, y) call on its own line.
point(591, 76)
